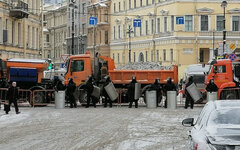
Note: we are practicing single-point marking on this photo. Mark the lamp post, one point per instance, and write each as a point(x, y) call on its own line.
point(73, 6)
point(224, 5)
point(129, 36)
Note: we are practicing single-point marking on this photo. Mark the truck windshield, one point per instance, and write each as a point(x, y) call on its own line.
point(199, 79)
point(77, 65)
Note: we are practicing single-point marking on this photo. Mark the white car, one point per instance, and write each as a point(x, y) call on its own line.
point(217, 127)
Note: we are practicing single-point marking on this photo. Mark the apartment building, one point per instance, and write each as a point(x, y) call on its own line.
point(20, 29)
point(98, 35)
point(77, 23)
point(55, 32)
point(179, 32)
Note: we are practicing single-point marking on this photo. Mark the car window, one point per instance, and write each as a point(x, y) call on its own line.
point(225, 116)
point(202, 115)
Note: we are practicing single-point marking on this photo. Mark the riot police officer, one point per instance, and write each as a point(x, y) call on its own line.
point(89, 88)
point(188, 96)
point(169, 86)
point(131, 93)
point(105, 94)
point(158, 88)
point(212, 87)
point(70, 91)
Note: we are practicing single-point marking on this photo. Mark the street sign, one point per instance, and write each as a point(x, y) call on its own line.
point(179, 20)
point(62, 65)
point(93, 20)
point(64, 57)
point(137, 23)
point(232, 57)
point(232, 47)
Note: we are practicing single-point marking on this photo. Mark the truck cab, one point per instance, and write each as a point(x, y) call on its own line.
point(78, 68)
point(226, 75)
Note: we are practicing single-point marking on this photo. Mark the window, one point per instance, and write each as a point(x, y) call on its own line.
point(123, 27)
point(106, 37)
point(220, 69)
point(13, 32)
point(147, 3)
point(157, 56)
point(113, 57)
point(19, 34)
point(188, 23)
point(77, 65)
point(134, 31)
point(153, 1)
point(114, 34)
point(119, 32)
point(151, 55)
point(119, 6)
point(140, 32)
point(171, 54)
point(134, 56)
point(141, 3)
point(135, 4)
point(165, 24)
point(201, 55)
point(204, 22)
point(106, 16)
point(235, 23)
point(146, 56)
point(158, 25)
point(220, 23)
point(47, 38)
point(83, 8)
point(172, 23)
point(118, 58)
point(164, 55)
point(114, 7)
point(129, 4)
point(152, 26)
point(83, 28)
point(146, 25)
point(123, 57)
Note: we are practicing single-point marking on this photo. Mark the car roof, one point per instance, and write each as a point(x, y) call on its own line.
point(224, 104)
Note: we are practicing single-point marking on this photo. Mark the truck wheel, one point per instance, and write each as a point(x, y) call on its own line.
point(228, 95)
point(38, 98)
point(83, 97)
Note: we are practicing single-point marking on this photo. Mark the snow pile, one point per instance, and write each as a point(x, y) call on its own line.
point(144, 66)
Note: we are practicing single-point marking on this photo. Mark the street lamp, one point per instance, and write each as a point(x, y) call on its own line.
point(224, 5)
point(129, 35)
point(73, 6)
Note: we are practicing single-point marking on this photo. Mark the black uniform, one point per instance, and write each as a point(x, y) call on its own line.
point(131, 93)
point(169, 86)
point(89, 88)
point(212, 87)
point(12, 97)
point(188, 96)
point(70, 91)
point(107, 98)
point(158, 88)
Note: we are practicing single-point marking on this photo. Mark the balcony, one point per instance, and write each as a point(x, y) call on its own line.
point(19, 9)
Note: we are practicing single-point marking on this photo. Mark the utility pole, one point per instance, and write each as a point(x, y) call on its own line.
point(72, 31)
point(43, 50)
point(129, 36)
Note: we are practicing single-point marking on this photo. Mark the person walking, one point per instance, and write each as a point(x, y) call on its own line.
point(131, 93)
point(212, 87)
point(70, 91)
point(158, 88)
point(169, 86)
point(89, 88)
point(105, 94)
point(189, 99)
point(12, 98)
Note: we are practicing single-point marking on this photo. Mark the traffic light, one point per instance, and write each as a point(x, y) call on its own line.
point(50, 66)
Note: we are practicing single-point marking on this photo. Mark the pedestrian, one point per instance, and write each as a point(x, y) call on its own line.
point(189, 98)
point(131, 93)
point(12, 96)
point(212, 87)
point(169, 86)
point(89, 88)
point(105, 94)
point(71, 87)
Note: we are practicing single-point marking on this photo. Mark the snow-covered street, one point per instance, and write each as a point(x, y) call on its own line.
point(117, 128)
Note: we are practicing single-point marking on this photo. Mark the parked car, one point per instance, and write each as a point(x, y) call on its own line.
point(217, 127)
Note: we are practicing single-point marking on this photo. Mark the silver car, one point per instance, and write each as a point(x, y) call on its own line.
point(217, 127)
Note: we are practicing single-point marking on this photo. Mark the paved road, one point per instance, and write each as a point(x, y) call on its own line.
point(99, 128)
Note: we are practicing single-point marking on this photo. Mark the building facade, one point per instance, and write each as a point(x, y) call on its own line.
point(77, 23)
point(171, 34)
point(20, 29)
point(55, 32)
point(98, 35)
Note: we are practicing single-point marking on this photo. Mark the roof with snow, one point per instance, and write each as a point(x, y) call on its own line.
point(27, 60)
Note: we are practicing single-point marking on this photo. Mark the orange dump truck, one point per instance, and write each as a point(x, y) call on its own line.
point(79, 67)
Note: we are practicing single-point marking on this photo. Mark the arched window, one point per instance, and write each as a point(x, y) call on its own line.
point(141, 57)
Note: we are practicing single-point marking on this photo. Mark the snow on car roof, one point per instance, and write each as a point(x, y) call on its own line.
point(221, 104)
point(27, 60)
